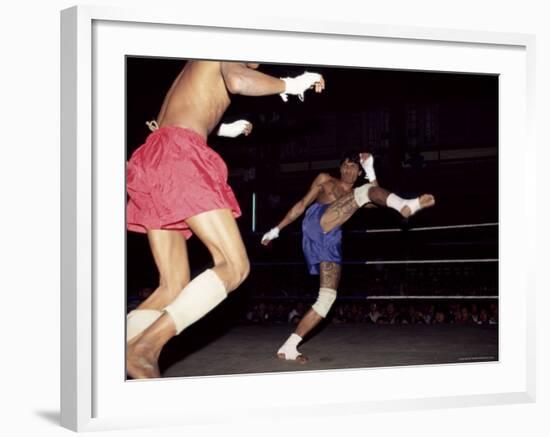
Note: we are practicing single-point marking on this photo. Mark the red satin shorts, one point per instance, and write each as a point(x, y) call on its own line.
point(173, 176)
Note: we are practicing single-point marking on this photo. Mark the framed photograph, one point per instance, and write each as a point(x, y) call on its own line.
point(434, 310)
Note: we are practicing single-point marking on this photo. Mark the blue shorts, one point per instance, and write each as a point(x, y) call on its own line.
point(319, 246)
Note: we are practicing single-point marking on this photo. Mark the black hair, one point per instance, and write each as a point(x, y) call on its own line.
point(352, 156)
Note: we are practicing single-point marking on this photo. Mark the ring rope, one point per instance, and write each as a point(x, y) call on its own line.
point(435, 261)
point(424, 228)
point(410, 261)
point(429, 297)
point(427, 228)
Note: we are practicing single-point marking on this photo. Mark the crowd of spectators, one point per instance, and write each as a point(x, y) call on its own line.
point(401, 312)
point(359, 282)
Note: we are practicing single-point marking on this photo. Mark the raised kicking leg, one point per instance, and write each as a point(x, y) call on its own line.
point(342, 209)
point(219, 232)
point(329, 279)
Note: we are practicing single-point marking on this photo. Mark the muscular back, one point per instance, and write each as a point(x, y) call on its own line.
point(197, 99)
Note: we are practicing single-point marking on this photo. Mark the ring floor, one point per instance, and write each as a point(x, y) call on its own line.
point(250, 349)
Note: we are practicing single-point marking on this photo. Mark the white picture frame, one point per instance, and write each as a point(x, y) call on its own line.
point(94, 393)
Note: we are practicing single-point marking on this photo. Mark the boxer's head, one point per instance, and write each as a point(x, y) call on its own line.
point(350, 167)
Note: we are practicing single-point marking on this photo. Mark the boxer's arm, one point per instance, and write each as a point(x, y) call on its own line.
point(239, 79)
point(367, 163)
point(298, 209)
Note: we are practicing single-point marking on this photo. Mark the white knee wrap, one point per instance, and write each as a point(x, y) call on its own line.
point(361, 194)
point(326, 298)
point(197, 299)
point(138, 321)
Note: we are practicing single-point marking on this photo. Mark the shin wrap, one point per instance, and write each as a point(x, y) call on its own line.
point(197, 299)
point(326, 298)
point(138, 321)
point(361, 194)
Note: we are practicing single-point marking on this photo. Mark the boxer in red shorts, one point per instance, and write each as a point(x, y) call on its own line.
point(177, 185)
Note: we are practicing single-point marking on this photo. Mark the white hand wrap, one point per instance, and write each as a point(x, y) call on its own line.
point(271, 234)
point(234, 129)
point(299, 84)
point(368, 167)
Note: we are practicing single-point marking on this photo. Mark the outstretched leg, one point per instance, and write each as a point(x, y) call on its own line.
point(342, 209)
point(406, 207)
point(219, 232)
point(330, 278)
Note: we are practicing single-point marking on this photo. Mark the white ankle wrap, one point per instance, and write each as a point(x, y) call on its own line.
point(197, 299)
point(289, 348)
point(397, 203)
point(361, 194)
point(413, 204)
point(138, 321)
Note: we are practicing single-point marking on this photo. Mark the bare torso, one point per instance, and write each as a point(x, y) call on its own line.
point(197, 99)
point(332, 190)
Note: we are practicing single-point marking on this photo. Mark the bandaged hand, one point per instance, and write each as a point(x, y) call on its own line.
point(300, 84)
point(270, 236)
point(235, 129)
point(367, 162)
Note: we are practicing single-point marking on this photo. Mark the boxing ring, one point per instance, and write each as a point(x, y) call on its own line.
point(444, 266)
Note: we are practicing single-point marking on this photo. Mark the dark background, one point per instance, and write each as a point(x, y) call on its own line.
point(429, 132)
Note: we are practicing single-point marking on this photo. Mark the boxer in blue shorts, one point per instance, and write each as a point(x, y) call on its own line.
point(328, 204)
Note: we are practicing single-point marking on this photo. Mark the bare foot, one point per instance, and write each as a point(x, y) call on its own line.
point(426, 201)
point(300, 359)
point(140, 364)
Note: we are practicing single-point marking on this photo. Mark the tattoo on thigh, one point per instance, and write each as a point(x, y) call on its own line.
point(343, 208)
point(330, 275)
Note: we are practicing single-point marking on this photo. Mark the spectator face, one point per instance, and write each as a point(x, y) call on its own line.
point(458, 315)
point(483, 317)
